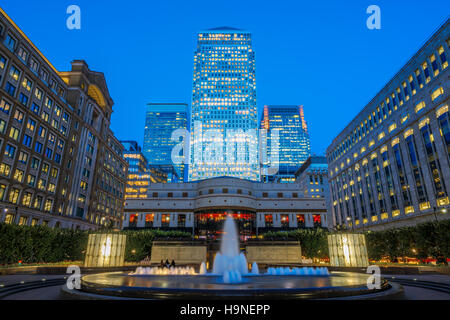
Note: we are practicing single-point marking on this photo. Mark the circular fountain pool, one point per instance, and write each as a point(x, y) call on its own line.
point(118, 284)
point(230, 278)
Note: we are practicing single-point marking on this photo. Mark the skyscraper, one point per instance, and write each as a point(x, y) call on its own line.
point(288, 148)
point(224, 115)
point(161, 120)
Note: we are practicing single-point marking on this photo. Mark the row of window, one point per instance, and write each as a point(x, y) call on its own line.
point(430, 68)
point(381, 186)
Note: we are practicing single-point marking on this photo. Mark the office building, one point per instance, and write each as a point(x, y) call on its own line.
point(286, 141)
point(60, 164)
point(161, 122)
point(224, 117)
point(390, 166)
point(138, 177)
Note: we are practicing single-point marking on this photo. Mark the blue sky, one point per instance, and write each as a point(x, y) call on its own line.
point(316, 53)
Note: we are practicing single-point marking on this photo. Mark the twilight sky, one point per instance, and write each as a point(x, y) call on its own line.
point(316, 53)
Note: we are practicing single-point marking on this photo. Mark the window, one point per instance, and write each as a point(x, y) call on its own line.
point(26, 200)
point(300, 220)
point(14, 133)
point(54, 173)
point(2, 62)
point(48, 205)
point(165, 220)
point(42, 131)
point(420, 106)
point(10, 89)
point(38, 202)
point(38, 147)
point(38, 93)
point(48, 102)
point(10, 151)
point(31, 180)
point(45, 116)
point(23, 157)
point(14, 73)
point(18, 116)
point(45, 168)
point(2, 191)
point(5, 106)
point(41, 184)
point(35, 163)
point(2, 126)
point(22, 54)
point(48, 153)
point(55, 124)
point(57, 111)
point(26, 83)
point(31, 124)
point(35, 108)
point(18, 175)
point(27, 141)
point(14, 195)
point(57, 158)
point(10, 42)
point(51, 188)
point(34, 65)
point(442, 56)
point(436, 93)
point(5, 169)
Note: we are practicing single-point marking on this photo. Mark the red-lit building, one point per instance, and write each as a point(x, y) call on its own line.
point(201, 207)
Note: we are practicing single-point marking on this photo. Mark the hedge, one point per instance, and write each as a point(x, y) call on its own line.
point(430, 239)
point(40, 244)
point(313, 242)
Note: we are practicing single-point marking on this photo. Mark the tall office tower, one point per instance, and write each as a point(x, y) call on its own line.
point(224, 117)
point(390, 166)
point(60, 164)
point(161, 120)
point(287, 145)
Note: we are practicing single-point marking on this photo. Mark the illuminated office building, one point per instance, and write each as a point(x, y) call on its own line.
point(138, 177)
point(224, 117)
point(60, 164)
point(161, 120)
point(390, 166)
point(289, 147)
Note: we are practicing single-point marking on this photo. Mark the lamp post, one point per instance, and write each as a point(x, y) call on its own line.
point(348, 221)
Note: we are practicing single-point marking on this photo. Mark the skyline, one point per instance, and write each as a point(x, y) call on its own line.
point(276, 58)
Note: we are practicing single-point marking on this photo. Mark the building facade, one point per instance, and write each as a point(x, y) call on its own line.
point(53, 127)
point(161, 122)
point(138, 178)
point(390, 166)
point(224, 116)
point(201, 207)
point(286, 144)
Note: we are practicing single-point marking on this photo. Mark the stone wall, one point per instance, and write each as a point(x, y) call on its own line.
point(274, 254)
point(180, 252)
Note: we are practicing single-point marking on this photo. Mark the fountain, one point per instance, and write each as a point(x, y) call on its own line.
point(230, 279)
point(229, 263)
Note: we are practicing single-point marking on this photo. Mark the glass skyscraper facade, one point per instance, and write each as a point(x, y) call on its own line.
point(288, 148)
point(161, 120)
point(224, 117)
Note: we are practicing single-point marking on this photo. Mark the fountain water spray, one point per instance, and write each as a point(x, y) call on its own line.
point(229, 262)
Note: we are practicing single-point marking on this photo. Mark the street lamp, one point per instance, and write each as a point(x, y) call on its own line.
point(348, 221)
point(443, 210)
